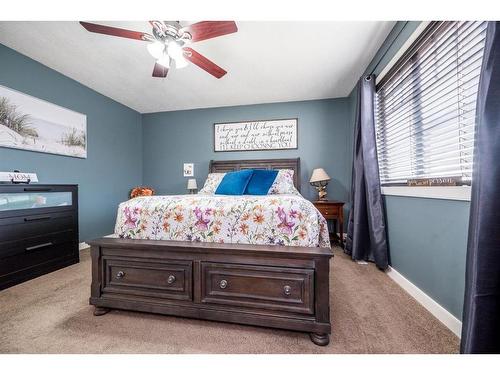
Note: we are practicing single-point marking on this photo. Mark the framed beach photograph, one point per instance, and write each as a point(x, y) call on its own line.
point(29, 123)
point(257, 135)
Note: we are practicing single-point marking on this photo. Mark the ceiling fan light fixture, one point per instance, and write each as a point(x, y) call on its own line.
point(175, 50)
point(180, 63)
point(164, 60)
point(156, 49)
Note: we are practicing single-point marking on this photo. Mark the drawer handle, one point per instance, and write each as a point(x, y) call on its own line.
point(36, 218)
point(223, 284)
point(120, 275)
point(287, 290)
point(171, 279)
point(326, 212)
point(39, 246)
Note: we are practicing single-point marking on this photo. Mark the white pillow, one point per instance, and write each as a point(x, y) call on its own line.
point(211, 183)
point(283, 183)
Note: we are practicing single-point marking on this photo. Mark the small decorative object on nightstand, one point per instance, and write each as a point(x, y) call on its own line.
point(192, 186)
point(319, 180)
point(333, 210)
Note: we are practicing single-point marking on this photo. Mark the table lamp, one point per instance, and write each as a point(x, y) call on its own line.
point(191, 186)
point(319, 180)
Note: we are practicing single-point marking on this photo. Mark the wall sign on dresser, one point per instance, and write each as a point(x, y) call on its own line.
point(38, 230)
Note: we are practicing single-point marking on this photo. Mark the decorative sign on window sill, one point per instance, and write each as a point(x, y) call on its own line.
point(437, 181)
point(256, 135)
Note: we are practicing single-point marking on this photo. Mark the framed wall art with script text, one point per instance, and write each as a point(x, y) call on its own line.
point(257, 135)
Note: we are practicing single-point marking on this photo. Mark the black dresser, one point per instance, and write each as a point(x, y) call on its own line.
point(38, 230)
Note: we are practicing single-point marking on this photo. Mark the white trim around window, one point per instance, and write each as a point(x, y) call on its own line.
point(420, 28)
point(456, 193)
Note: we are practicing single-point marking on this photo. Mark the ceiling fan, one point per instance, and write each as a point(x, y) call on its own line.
point(170, 41)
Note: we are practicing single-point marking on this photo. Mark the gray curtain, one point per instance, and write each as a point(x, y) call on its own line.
point(481, 316)
point(366, 233)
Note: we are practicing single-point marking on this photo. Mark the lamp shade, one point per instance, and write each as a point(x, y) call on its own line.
point(319, 174)
point(192, 184)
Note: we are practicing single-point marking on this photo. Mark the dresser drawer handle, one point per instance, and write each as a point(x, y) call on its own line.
point(223, 284)
point(37, 218)
point(326, 212)
point(171, 279)
point(287, 290)
point(120, 275)
point(46, 244)
point(37, 189)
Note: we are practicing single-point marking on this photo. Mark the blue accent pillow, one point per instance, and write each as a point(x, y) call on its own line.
point(261, 182)
point(234, 183)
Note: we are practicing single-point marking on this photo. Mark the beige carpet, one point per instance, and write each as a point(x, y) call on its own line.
point(370, 314)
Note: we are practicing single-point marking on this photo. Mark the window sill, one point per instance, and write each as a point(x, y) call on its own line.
point(457, 193)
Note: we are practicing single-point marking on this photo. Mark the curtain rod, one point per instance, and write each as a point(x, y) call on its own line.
point(388, 48)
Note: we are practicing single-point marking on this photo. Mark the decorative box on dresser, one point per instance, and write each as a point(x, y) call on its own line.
point(333, 210)
point(38, 230)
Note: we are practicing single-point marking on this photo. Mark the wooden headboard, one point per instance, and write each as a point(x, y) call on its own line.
point(222, 166)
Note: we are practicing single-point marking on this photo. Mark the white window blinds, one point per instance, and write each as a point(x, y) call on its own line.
point(426, 105)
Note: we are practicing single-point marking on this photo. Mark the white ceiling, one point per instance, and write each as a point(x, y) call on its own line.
point(266, 62)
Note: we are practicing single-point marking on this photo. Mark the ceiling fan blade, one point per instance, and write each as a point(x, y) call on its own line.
point(160, 71)
point(204, 63)
point(115, 31)
point(209, 29)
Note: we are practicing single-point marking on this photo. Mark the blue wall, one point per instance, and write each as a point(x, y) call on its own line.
point(428, 242)
point(324, 135)
point(114, 136)
point(427, 237)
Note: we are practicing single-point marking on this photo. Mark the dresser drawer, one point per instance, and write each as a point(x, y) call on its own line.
point(47, 252)
point(32, 225)
point(163, 279)
point(328, 211)
point(272, 288)
point(36, 243)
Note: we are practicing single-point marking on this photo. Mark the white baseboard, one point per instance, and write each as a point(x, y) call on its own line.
point(83, 246)
point(445, 317)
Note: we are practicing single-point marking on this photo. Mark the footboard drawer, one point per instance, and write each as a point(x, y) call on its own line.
point(271, 288)
point(162, 279)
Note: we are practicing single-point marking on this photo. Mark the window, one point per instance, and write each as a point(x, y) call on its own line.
point(426, 106)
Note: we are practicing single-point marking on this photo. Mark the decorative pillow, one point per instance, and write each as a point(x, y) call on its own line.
point(283, 183)
point(212, 183)
point(261, 182)
point(234, 183)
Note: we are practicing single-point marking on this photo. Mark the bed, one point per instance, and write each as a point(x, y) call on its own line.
point(259, 260)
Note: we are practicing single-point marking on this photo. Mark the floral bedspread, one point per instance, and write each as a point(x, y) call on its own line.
point(286, 220)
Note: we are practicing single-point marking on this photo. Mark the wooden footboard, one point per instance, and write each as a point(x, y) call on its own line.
point(270, 286)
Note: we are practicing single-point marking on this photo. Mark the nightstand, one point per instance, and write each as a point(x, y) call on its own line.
point(333, 210)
